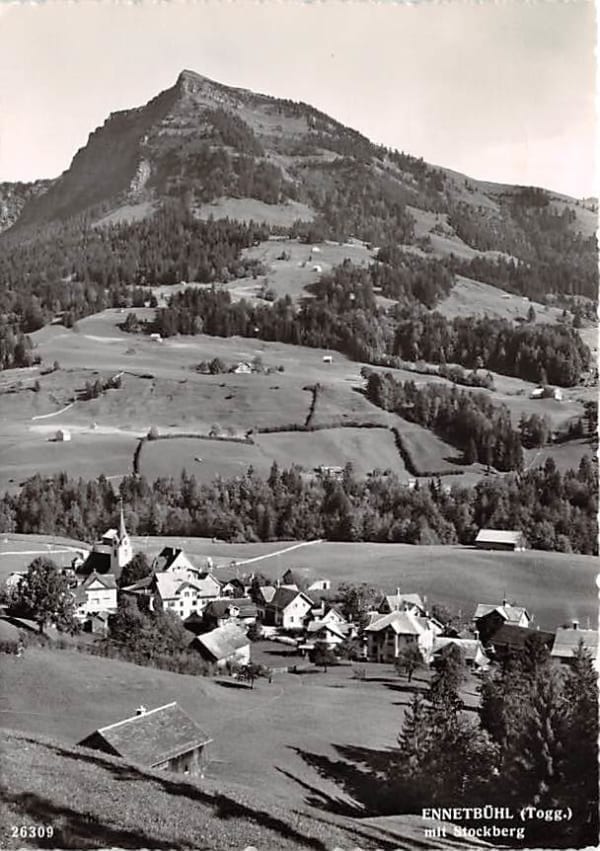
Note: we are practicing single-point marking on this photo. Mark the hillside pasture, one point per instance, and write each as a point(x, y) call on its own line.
point(253, 210)
point(428, 453)
point(18, 551)
point(86, 455)
point(566, 456)
point(474, 298)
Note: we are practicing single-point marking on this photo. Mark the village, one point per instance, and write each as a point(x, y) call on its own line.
point(231, 617)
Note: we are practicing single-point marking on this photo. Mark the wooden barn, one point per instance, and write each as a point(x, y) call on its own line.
point(164, 738)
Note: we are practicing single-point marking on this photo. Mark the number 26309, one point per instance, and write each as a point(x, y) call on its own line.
point(31, 831)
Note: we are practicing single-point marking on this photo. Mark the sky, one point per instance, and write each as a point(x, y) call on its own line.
point(503, 91)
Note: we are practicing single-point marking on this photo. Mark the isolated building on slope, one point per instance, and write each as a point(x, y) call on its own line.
point(162, 738)
point(501, 539)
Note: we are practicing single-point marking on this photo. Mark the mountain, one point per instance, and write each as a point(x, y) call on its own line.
point(14, 196)
point(202, 140)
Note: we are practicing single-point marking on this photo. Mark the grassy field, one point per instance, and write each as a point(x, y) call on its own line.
point(566, 456)
point(277, 734)
point(470, 298)
point(428, 453)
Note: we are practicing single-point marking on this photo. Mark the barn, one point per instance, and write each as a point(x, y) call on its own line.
point(501, 539)
point(165, 738)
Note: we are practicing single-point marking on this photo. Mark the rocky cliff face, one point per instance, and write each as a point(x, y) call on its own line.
point(14, 197)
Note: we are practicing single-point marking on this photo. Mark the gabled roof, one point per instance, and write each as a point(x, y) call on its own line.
point(151, 738)
point(567, 640)
point(469, 646)
point(220, 608)
point(166, 557)
point(267, 592)
point(510, 613)
point(399, 601)
point(222, 642)
point(512, 636)
point(168, 585)
point(317, 626)
point(500, 536)
point(284, 596)
point(99, 562)
point(402, 623)
point(107, 580)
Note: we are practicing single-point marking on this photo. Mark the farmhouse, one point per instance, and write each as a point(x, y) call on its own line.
point(287, 608)
point(96, 594)
point(239, 610)
point(500, 539)
point(173, 560)
point(567, 641)
point(110, 554)
point(389, 635)
point(511, 639)
point(184, 596)
point(402, 603)
point(163, 738)
point(330, 633)
point(488, 618)
point(226, 644)
point(471, 648)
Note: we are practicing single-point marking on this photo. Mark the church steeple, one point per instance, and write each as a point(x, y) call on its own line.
point(122, 551)
point(122, 529)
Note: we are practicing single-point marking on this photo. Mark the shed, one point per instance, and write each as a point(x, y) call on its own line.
point(225, 644)
point(62, 435)
point(327, 359)
point(501, 539)
point(164, 738)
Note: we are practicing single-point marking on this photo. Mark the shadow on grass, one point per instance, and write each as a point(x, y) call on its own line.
point(233, 684)
point(76, 830)
point(223, 807)
point(361, 774)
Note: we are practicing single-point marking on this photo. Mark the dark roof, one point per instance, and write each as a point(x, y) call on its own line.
point(166, 557)
point(284, 596)
point(151, 738)
point(97, 562)
point(107, 579)
point(514, 637)
point(220, 608)
point(292, 577)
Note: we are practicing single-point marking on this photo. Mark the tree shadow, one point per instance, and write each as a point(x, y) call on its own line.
point(76, 830)
point(362, 775)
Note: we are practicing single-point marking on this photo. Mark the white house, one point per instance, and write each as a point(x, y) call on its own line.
point(184, 596)
point(174, 561)
point(97, 594)
point(389, 635)
point(288, 608)
point(328, 633)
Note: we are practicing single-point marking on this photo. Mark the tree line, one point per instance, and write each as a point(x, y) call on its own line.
point(470, 421)
point(555, 511)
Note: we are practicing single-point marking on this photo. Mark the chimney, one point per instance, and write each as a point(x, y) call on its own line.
point(575, 624)
point(141, 710)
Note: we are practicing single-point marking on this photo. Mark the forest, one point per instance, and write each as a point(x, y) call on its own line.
point(469, 421)
point(555, 511)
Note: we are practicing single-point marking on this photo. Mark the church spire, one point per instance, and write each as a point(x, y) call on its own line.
point(122, 529)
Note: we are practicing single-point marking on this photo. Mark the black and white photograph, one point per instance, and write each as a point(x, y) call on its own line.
point(299, 425)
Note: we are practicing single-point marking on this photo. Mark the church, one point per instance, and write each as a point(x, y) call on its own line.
point(109, 554)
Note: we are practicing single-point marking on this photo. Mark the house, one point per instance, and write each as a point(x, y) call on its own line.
point(567, 641)
point(223, 645)
point(243, 368)
point(293, 579)
point(488, 618)
point(96, 594)
point(262, 596)
point(62, 435)
point(389, 635)
point(402, 603)
point(320, 585)
point(330, 633)
point(511, 639)
point(471, 648)
point(164, 738)
point(233, 587)
point(287, 608)
point(176, 593)
point(537, 393)
point(110, 554)
point(240, 610)
point(327, 358)
point(173, 560)
point(500, 539)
